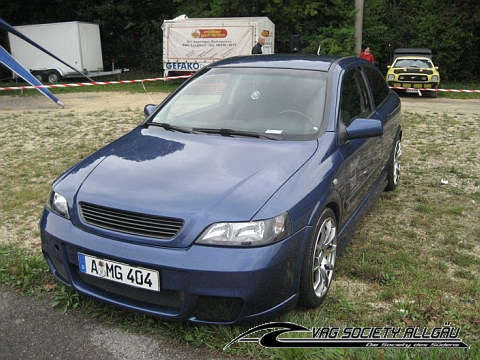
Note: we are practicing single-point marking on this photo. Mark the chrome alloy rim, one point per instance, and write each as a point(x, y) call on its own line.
point(324, 257)
point(397, 155)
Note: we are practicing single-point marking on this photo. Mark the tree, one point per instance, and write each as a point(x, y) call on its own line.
point(132, 36)
point(449, 28)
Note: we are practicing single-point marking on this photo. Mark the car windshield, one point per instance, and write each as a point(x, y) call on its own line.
point(277, 102)
point(413, 63)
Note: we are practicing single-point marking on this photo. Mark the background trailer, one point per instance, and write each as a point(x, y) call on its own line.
point(76, 43)
point(190, 44)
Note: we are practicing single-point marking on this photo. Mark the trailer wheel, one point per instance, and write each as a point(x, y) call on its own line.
point(53, 77)
point(40, 76)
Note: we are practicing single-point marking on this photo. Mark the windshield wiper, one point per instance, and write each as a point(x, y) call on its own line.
point(171, 127)
point(231, 132)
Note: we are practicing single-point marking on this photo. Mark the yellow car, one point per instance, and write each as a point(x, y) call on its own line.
point(412, 70)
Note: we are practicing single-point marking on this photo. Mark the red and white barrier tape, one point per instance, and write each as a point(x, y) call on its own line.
point(439, 90)
point(186, 77)
point(95, 83)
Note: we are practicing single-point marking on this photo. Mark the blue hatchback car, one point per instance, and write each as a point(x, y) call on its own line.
point(232, 200)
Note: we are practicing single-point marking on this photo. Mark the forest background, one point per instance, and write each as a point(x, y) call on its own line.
point(132, 35)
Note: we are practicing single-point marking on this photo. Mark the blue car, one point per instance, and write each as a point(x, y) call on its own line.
point(234, 197)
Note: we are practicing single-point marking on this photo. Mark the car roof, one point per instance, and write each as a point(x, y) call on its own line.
point(283, 61)
point(413, 57)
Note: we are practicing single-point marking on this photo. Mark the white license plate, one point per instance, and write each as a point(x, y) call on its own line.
point(118, 272)
point(412, 91)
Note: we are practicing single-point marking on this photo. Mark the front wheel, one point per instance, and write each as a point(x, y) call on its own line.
point(39, 76)
point(319, 262)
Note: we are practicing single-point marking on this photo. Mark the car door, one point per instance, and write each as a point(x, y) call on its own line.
point(362, 157)
point(386, 110)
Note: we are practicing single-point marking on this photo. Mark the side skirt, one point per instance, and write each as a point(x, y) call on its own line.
point(348, 228)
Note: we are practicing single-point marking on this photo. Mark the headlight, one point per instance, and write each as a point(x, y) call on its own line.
point(391, 77)
point(247, 234)
point(58, 204)
point(435, 78)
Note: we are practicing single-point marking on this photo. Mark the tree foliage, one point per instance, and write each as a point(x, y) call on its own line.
point(132, 36)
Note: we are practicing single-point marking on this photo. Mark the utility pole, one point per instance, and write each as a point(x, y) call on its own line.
point(358, 26)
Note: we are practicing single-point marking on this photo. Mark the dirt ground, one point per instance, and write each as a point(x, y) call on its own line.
point(117, 101)
point(81, 102)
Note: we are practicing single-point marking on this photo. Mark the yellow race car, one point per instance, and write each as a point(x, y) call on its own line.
point(412, 69)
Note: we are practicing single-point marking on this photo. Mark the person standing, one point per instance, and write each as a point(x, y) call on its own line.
point(257, 49)
point(367, 55)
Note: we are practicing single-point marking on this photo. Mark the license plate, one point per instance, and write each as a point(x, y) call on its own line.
point(118, 272)
point(412, 91)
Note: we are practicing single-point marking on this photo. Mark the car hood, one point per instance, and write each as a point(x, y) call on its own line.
point(201, 179)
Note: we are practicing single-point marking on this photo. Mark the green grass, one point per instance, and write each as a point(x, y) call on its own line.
point(460, 86)
point(413, 261)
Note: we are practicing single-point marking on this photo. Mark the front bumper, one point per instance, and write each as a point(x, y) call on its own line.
point(198, 284)
point(430, 85)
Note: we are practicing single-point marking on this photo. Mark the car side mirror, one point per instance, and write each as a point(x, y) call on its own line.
point(364, 128)
point(389, 66)
point(149, 109)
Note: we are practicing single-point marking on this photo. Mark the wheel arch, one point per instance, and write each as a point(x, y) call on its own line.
point(333, 202)
point(400, 132)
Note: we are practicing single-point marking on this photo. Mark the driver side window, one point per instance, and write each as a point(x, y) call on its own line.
point(354, 98)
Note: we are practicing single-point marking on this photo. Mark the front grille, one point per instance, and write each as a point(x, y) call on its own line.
point(129, 222)
point(413, 71)
point(413, 78)
point(170, 301)
point(215, 308)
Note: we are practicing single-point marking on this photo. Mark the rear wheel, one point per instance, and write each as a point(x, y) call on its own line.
point(53, 77)
point(394, 165)
point(319, 262)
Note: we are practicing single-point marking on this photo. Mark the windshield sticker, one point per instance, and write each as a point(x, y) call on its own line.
point(255, 95)
point(273, 131)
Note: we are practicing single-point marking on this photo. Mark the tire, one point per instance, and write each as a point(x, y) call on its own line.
point(39, 76)
point(319, 263)
point(53, 77)
point(394, 165)
point(430, 93)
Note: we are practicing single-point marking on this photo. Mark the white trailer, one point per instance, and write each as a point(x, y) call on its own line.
point(76, 43)
point(190, 44)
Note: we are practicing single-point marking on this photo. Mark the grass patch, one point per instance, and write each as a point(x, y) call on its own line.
point(413, 260)
point(459, 86)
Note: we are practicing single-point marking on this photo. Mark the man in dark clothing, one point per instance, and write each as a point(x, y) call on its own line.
point(257, 49)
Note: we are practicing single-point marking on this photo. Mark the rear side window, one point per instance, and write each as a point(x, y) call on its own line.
point(380, 89)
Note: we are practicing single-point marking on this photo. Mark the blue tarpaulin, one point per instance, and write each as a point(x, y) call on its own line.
point(7, 60)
